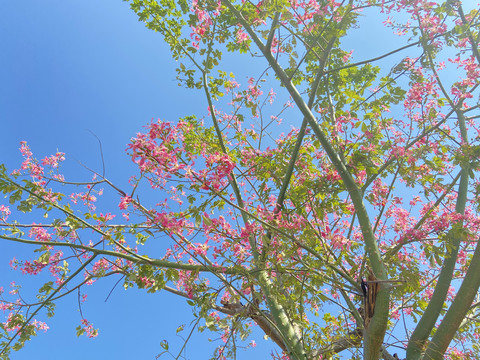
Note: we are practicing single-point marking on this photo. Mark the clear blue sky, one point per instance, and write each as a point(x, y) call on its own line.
point(68, 68)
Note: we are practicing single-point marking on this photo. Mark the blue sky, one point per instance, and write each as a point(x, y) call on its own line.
point(69, 69)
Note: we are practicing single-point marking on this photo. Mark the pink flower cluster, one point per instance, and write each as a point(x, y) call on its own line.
point(158, 151)
point(40, 234)
point(88, 328)
point(203, 21)
point(31, 165)
point(4, 213)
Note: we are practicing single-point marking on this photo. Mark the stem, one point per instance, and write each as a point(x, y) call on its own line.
point(470, 36)
point(457, 311)
point(472, 281)
point(426, 324)
point(135, 260)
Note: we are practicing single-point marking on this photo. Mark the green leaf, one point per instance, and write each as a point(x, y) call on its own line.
point(180, 328)
point(16, 196)
point(80, 331)
point(164, 344)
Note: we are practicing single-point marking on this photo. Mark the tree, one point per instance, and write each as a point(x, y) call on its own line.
point(359, 223)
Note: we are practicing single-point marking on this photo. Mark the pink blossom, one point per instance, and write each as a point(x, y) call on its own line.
point(4, 213)
point(88, 328)
point(40, 325)
point(241, 36)
point(40, 234)
point(54, 160)
point(347, 56)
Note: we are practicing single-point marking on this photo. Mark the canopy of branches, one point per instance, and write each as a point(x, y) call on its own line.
point(352, 234)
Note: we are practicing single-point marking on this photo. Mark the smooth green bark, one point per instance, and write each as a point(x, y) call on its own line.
point(457, 311)
point(426, 324)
